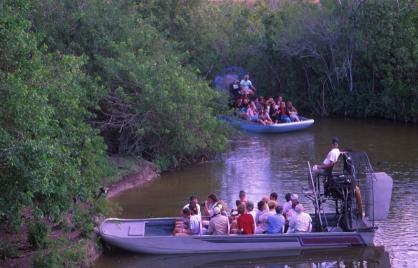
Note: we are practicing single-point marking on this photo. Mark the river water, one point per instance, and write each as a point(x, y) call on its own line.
point(260, 164)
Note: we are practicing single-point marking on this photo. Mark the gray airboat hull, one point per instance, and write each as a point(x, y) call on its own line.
point(132, 235)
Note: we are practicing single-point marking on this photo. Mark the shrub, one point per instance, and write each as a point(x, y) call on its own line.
point(49, 153)
point(38, 234)
point(48, 260)
point(7, 250)
point(75, 255)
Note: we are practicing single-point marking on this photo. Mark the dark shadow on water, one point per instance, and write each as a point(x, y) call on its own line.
point(348, 257)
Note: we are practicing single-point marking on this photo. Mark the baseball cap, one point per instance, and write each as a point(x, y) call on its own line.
point(234, 213)
point(335, 140)
point(216, 210)
point(294, 197)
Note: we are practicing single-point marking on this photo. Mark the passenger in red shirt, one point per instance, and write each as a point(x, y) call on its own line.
point(245, 221)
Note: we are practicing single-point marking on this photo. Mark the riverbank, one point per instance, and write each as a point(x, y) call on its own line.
point(74, 242)
point(146, 172)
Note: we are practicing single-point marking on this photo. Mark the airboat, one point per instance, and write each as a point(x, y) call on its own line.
point(255, 127)
point(345, 210)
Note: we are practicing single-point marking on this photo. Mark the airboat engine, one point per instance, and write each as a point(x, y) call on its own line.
point(360, 195)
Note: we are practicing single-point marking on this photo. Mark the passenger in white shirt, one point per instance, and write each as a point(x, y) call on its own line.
point(193, 199)
point(192, 225)
point(210, 203)
point(300, 222)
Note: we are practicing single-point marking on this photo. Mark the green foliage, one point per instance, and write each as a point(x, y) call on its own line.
point(48, 153)
point(38, 234)
point(101, 206)
point(156, 106)
point(168, 114)
point(8, 250)
point(63, 253)
point(53, 259)
point(82, 221)
point(330, 59)
point(75, 255)
point(121, 165)
point(345, 58)
point(388, 63)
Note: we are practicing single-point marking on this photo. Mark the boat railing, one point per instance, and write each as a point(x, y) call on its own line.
point(315, 196)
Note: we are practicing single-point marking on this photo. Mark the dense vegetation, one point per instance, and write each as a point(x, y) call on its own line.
point(81, 79)
point(339, 58)
point(48, 153)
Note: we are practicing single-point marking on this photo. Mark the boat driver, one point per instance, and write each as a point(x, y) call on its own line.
point(246, 85)
point(330, 160)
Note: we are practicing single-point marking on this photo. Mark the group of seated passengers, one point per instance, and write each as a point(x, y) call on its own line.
point(268, 218)
point(268, 111)
point(257, 109)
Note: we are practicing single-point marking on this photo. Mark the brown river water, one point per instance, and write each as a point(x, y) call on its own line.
point(260, 164)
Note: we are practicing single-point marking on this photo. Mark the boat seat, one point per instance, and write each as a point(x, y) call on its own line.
point(136, 229)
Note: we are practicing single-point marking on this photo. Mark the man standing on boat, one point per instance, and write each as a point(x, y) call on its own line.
point(246, 85)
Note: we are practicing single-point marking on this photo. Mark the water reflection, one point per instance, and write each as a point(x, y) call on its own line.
point(262, 164)
point(351, 257)
point(257, 164)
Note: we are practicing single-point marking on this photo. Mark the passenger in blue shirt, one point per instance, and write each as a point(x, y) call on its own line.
point(275, 222)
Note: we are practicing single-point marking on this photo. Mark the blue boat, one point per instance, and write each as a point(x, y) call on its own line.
point(274, 128)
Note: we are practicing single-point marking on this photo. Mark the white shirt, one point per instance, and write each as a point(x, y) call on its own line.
point(332, 156)
point(211, 207)
point(246, 84)
point(300, 222)
point(194, 224)
point(199, 215)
